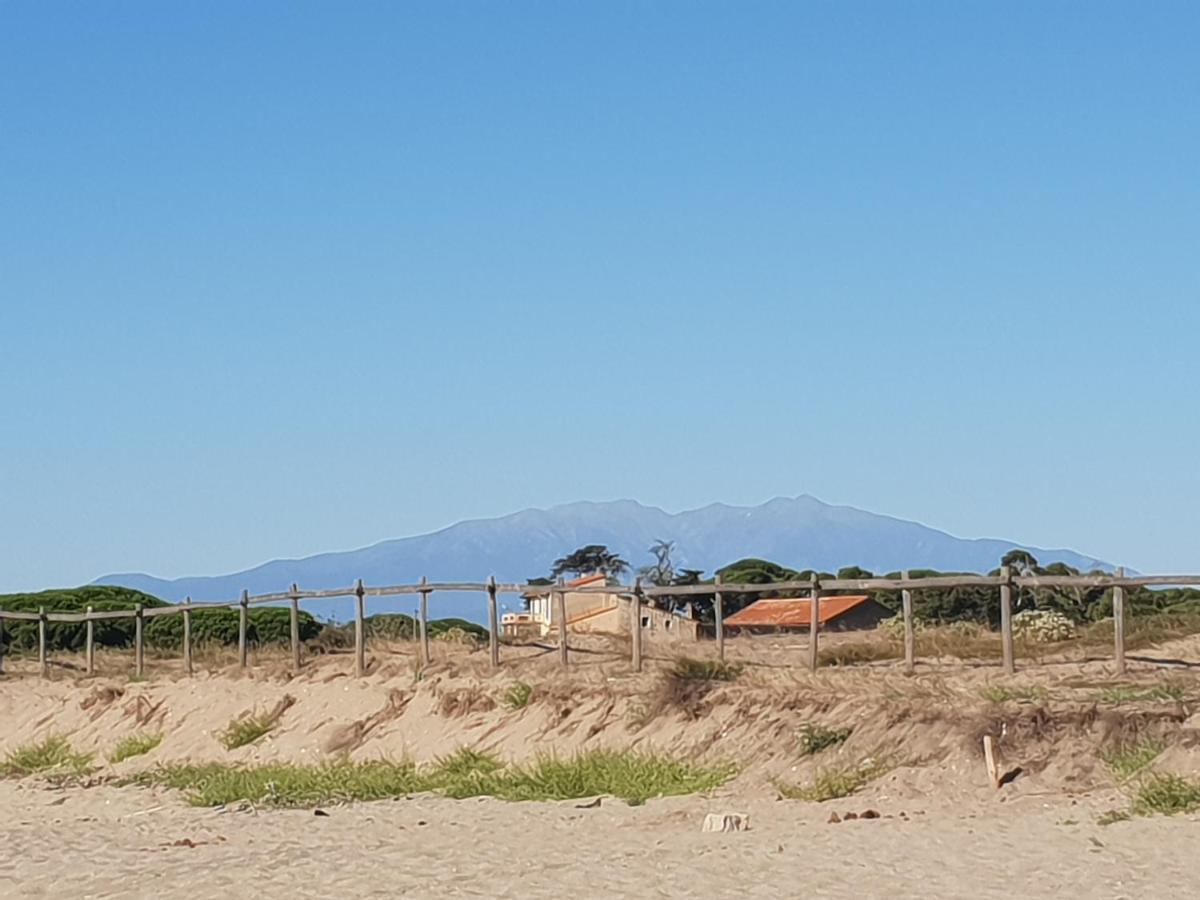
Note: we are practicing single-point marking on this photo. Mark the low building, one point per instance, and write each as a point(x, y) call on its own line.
point(594, 611)
point(838, 613)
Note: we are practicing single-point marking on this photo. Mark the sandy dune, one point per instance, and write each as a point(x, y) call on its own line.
point(957, 836)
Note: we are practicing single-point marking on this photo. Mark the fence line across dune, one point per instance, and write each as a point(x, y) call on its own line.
point(1004, 582)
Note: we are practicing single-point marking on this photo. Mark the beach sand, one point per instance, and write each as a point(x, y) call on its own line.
point(943, 830)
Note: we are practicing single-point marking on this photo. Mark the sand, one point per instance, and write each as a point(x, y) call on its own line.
point(942, 831)
point(111, 842)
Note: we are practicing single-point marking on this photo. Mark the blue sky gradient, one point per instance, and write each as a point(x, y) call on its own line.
point(284, 278)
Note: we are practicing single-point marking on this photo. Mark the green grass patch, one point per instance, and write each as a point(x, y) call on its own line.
point(1167, 795)
point(1001, 693)
point(135, 745)
point(688, 669)
point(1127, 693)
point(815, 738)
point(1125, 760)
point(517, 696)
point(245, 730)
point(835, 783)
point(634, 777)
point(53, 756)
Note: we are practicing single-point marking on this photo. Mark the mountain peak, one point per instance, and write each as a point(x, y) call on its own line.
point(800, 532)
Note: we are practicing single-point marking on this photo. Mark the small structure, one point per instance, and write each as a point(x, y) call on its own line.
point(838, 613)
point(594, 612)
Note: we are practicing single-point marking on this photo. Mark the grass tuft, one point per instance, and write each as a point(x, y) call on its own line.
point(53, 756)
point(245, 730)
point(1001, 693)
point(631, 776)
point(815, 738)
point(135, 745)
point(517, 696)
point(688, 669)
point(835, 783)
point(1126, 693)
point(1167, 795)
point(1125, 760)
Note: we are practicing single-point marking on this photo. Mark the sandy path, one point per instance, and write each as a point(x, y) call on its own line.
point(114, 842)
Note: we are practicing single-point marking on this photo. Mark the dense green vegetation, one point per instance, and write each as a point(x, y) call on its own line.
point(632, 776)
point(265, 624)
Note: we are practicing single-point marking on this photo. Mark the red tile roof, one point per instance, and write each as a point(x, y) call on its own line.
point(791, 612)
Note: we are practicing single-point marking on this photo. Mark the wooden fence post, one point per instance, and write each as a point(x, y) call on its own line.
point(1006, 628)
point(243, 626)
point(43, 659)
point(360, 636)
point(493, 623)
point(814, 627)
point(139, 643)
point(719, 618)
point(295, 616)
point(560, 597)
point(1119, 622)
point(910, 635)
point(89, 647)
point(635, 624)
point(423, 621)
point(187, 636)
point(1, 642)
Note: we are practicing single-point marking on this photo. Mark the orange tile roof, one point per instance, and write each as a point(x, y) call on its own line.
point(587, 579)
point(792, 612)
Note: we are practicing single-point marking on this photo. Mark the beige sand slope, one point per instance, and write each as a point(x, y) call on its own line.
point(943, 831)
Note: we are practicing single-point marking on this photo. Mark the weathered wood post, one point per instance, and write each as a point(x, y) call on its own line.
point(1119, 622)
point(493, 623)
point(1, 641)
point(295, 617)
point(560, 613)
point(719, 618)
point(360, 635)
point(910, 635)
point(243, 626)
point(423, 621)
point(187, 635)
point(635, 624)
point(43, 657)
point(814, 627)
point(89, 646)
point(139, 644)
point(1006, 627)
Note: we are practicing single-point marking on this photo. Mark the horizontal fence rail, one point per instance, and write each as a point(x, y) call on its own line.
point(816, 588)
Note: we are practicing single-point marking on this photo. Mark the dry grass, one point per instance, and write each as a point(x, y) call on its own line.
point(836, 782)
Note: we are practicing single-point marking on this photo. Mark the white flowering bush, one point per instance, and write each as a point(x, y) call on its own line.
point(1043, 626)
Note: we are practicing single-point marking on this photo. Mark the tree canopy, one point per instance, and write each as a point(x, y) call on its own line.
point(588, 559)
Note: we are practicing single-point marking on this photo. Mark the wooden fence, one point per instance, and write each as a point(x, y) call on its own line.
point(1004, 582)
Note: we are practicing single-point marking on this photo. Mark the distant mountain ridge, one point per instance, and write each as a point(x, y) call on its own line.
point(800, 532)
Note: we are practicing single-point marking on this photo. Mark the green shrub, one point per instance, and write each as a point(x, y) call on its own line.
point(264, 625)
point(23, 635)
point(815, 738)
point(688, 669)
point(1127, 759)
point(517, 695)
point(245, 730)
point(835, 783)
point(1167, 795)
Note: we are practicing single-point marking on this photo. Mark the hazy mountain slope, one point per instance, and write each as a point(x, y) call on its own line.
point(801, 532)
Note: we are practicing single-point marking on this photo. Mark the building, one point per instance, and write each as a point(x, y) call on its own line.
point(594, 611)
point(838, 613)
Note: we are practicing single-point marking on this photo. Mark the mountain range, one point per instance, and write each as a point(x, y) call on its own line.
point(800, 532)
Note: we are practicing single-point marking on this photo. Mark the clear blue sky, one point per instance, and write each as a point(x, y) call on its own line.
point(284, 278)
